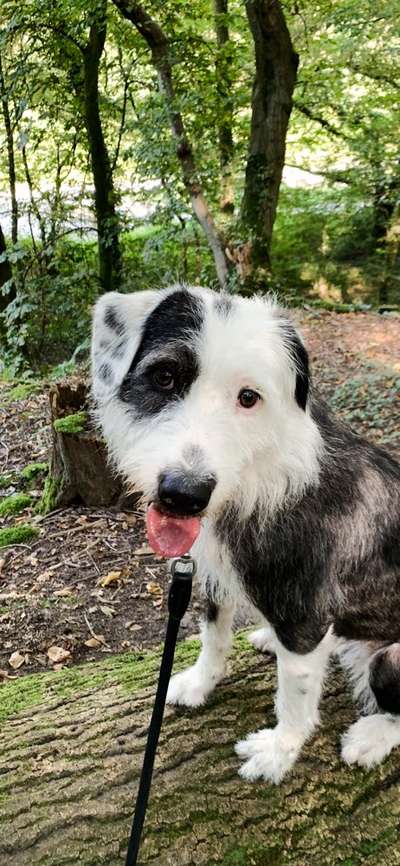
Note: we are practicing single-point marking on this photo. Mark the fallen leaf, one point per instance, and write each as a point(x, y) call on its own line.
point(108, 611)
point(154, 588)
point(16, 660)
point(2, 564)
point(95, 642)
point(111, 577)
point(145, 550)
point(131, 519)
point(58, 654)
point(64, 591)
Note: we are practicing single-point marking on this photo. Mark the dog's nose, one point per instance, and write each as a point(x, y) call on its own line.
point(180, 494)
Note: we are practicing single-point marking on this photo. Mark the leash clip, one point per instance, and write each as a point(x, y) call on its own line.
point(182, 571)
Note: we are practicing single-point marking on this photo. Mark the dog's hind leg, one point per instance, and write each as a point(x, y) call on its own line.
point(192, 687)
point(263, 639)
point(270, 753)
point(372, 738)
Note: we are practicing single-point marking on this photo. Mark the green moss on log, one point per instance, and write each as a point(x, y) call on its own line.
point(32, 470)
point(20, 534)
point(75, 423)
point(49, 498)
point(14, 504)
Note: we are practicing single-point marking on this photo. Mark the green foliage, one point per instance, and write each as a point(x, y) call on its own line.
point(49, 499)
point(338, 242)
point(21, 391)
point(14, 504)
point(74, 423)
point(20, 534)
point(33, 470)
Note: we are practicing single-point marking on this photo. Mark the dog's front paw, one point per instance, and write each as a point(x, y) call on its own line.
point(188, 688)
point(368, 741)
point(263, 639)
point(270, 755)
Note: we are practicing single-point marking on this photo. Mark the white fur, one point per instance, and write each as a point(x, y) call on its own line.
point(271, 753)
point(192, 687)
point(368, 741)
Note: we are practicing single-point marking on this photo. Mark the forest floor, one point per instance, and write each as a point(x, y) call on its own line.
point(88, 585)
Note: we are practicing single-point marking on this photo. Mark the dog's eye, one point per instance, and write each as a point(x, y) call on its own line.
point(164, 379)
point(248, 398)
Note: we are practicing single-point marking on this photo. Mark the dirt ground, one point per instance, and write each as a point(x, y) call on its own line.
point(89, 585)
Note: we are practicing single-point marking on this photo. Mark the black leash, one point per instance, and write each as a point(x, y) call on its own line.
point(182, 571)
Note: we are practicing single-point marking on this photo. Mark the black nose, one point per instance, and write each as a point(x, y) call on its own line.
point(181, 494)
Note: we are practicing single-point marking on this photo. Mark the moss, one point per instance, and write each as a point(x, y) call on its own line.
point(49, 499)
point(17, 534)
point(71, 423)
point(32, 470)
point(14, 504)
point(7, 479)
point(21, 391)
point(131, 671)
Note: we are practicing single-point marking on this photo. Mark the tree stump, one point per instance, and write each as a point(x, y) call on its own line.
point(79, 470)
point(69, 767)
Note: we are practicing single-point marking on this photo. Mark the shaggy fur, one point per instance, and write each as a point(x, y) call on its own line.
point(303, 521)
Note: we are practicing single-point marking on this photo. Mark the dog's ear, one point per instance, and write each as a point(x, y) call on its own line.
point(299, 358)
point(117, 328)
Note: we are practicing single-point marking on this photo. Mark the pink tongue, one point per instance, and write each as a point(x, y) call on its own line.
point(171, 536)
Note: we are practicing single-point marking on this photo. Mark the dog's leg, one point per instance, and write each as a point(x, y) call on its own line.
point(372, 738)
point(263, 639)
point(192, 687)
point(271, 753)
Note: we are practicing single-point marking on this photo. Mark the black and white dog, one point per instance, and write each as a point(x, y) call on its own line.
point(205, 403)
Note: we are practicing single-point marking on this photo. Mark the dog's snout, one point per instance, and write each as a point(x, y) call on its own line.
point(181, 494)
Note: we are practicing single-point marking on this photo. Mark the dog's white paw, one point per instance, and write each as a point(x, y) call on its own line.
point(270, 755)
point(370, 740)
point(263, 639)
point(189, 688)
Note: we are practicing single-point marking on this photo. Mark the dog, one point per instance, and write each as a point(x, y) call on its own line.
point(207, 406)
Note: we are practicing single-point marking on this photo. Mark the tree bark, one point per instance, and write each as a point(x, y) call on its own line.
point(10, 156)
point(275, 77)
point(158, 43)
point(105, 198)
point(225, 104)
point(79, 468)
point(69, 767)
point(5, 277)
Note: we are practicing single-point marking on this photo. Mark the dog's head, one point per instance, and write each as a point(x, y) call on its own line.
point(203, 398)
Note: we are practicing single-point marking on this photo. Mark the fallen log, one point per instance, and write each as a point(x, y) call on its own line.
point(70, 761)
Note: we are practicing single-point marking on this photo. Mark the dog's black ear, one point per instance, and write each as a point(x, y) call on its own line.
point(117, 326)
point(299, 356)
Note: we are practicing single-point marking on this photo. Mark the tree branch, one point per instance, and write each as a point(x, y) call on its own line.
point(158, 43)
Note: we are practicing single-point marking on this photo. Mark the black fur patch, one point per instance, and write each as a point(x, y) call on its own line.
point(105, 372)
point(292, 565)
point(300, 359)
point(113, 322)
point(177, 318)
point(385, 680)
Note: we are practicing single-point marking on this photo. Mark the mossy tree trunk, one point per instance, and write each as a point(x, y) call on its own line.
point(79, 471)
point(69, 770)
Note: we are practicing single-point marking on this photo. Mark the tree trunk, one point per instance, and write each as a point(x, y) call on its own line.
point(105, 198)
point(275, 78)
point(225, 104)
point(5, 277)
point(69, 766)
point(10, 156)
point(158, 43)
point(79, 471)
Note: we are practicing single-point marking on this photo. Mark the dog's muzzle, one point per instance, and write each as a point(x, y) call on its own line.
point(184, 495)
